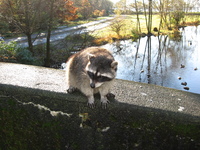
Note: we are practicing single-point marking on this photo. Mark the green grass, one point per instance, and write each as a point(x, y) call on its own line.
point(192, 19)
point(129, 29)
point(126, 32)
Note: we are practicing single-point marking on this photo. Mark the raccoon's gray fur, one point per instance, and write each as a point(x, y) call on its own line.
point(91, 70)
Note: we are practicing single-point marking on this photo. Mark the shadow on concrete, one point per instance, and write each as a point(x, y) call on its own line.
point(38, 119)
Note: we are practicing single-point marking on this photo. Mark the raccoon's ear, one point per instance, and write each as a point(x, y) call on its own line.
point(114, 64)
point(91, 57)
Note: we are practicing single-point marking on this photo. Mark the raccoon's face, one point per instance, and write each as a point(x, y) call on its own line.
point(100, 69)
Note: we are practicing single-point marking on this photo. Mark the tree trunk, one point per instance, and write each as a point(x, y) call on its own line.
point(48, 49)
point(138, 19)
point(30, 44)
point(150, 17)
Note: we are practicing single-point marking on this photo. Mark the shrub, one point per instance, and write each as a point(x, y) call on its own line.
point(24, 56)
point(8, 49)
point(176, 17)
point(11, 52)
point(4, 27)
point(117, 26)
point(135, 34)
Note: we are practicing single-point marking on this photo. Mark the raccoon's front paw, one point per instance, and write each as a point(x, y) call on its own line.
point(104, 103)
point(91, 105)
point(91, 102)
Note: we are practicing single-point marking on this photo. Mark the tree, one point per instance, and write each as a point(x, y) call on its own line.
point(148, 15)
point(30, 16)
point(177, 17)
point(85, 9)
point(164, 9)
point(101, 5)
point(24, 15)
point(88, 7)
point(117, 26)
point(56, 10)
point(121, 7)
point(137, 5)
point(172, 9)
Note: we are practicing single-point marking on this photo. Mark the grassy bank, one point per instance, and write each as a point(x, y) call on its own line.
point(130, 30)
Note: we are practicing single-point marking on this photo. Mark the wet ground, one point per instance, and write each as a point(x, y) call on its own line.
point(171, 61)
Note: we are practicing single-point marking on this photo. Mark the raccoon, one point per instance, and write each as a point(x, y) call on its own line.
point(91, 71)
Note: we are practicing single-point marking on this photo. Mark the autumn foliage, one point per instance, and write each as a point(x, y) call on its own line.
point(98, 13)
point(23, 13)
point(93, 8)
point(69, 11)
point(29, 16)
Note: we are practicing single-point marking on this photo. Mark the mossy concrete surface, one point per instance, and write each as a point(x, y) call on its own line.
point(37, 113)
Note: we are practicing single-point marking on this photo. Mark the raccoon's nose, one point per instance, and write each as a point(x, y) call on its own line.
point(92, 85)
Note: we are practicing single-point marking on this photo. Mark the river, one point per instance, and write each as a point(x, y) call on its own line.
point(171, 61)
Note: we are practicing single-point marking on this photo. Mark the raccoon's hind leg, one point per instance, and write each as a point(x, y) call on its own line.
point(71, 84)
point(71, 89)
point(110, 96)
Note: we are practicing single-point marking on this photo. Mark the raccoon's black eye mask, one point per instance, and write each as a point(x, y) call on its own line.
point(98, 78)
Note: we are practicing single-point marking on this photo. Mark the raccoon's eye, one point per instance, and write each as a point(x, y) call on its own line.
point(103, 79)
point(90, 74)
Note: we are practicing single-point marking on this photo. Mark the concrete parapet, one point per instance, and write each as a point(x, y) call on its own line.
point(37, 113)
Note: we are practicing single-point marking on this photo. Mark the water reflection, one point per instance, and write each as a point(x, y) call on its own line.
point(158, 59)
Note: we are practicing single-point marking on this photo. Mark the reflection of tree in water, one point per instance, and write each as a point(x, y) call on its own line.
point(119, 46)
point(175, 36)
point(162, 49)
point(169, 54)
point(153, 62)
point(145, 63)
point(157, 60)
